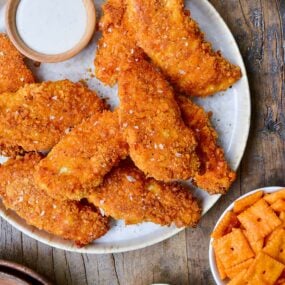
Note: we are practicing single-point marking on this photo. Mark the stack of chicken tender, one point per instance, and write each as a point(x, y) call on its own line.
point(124, 164)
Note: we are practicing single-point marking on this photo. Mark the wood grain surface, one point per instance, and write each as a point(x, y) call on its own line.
point(259, 27)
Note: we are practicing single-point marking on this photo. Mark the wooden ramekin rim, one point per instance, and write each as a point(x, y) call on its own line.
point(15, 269)
point(10, 19)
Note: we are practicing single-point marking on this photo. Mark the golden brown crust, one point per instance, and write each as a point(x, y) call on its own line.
point(113, 14)
point(160, 143)
point(127, 194)
point(36, 116)
point(116, 48)
point(13, 71)
point(216, 175)
point(171, 39)
point(70, 220)
point(81, 159)
point(10, 150)
point(175, 44)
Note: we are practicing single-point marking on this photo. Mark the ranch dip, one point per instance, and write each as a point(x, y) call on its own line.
point(51, 26)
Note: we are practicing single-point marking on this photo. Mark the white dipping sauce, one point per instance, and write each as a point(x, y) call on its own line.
point(51, 26)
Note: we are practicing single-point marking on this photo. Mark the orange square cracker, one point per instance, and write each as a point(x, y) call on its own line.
point(232, 248)
point(238, 279)
point(264, 270)
point(256, 245)
point(220, 268)
point(235, 270)
point(259, 220)
point(273, 197)
point(281, 226)
point(244, 203)
point(225, 226)
point(279, 205)
point(276, 245)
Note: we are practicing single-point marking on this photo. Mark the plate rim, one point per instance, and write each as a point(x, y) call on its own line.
point(109, 249)
point(212, 262)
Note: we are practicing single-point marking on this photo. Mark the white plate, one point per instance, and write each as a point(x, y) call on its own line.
point(231, 117)
point(212, 261)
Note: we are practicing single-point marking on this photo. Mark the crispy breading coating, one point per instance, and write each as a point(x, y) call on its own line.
point(81, 223)
point(160, 143)
point(37, 116)
point(113, 14)
point(119, 47)
point(216, 175)
point(13, 71)
point(114, 53)
point(81, 159)
point(115, 48)
point(174, 42)
point(128, 194)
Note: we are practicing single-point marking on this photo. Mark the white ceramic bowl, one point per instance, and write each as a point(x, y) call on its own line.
point(212, 261)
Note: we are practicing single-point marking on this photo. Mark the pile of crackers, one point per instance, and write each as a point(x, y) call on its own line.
point(249, 241)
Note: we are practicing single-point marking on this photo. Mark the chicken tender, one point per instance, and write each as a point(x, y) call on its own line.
point(216, 175)
point(81, 223)
point(37, 116)
point(81, 159)
point(127, 194)
point(215, 179)
point(116, 48)
point(13, 71)
point(160, 143)
point(176, 45)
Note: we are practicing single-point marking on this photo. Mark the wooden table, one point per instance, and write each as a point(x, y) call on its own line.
point(258, 26)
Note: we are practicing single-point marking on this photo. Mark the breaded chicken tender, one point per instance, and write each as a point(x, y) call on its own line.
point(213, 178)
point(128, 194)
point(176, 45)
point(115, 48)
point(79, 162)
point(13, 71)
point(216, 175)
point(37, 116)
point(81, 223)
point(160, 143)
